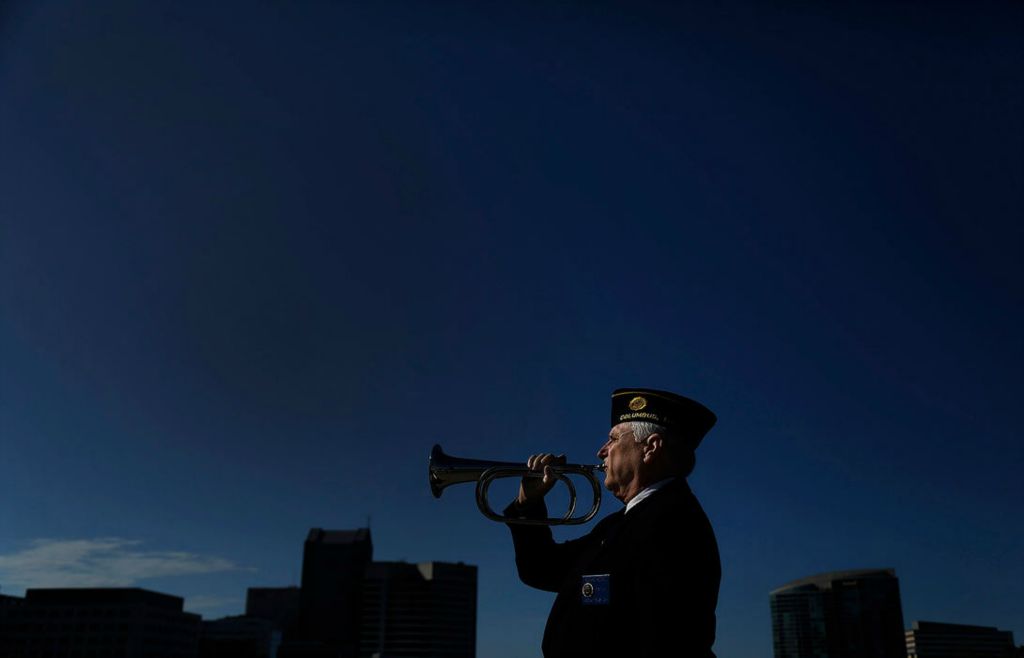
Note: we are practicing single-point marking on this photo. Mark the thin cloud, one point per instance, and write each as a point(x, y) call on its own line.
point(102, 562)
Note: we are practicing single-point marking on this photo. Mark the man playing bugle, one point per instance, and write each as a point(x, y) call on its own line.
point(644, 581)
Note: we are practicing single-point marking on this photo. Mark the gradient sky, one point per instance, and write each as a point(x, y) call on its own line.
point(256, 259)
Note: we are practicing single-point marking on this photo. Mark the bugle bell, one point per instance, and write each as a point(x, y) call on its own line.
point(445, 470)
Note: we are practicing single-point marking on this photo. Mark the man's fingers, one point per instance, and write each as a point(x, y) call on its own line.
point(541, 463)
point(535, 461)
point(538, 461)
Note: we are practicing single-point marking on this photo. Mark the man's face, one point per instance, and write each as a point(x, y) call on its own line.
point(622, 457)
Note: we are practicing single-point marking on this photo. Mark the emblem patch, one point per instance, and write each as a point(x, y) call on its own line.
point(596, 590)
point(637, 403)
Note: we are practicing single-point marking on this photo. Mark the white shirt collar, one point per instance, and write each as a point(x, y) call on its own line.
point(645, 493)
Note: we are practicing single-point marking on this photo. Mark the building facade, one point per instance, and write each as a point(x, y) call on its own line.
point(239, 637)
point(349, 606)
point(425, 610)
point(841, 614)
point(98, 623)
point(334, 564)
point(929, 639)
point(279, 605)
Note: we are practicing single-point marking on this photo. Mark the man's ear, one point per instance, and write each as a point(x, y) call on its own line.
point(652, 446)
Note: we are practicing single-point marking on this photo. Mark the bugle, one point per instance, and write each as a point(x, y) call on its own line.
point(445, 470)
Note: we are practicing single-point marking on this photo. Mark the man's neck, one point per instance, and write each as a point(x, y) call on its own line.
point(647, 492)
point(630, 492)
point(641, 483)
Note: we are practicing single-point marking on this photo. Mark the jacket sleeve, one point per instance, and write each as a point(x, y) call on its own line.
point(542, 562)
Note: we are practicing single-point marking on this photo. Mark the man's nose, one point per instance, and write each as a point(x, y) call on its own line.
point(603, 452)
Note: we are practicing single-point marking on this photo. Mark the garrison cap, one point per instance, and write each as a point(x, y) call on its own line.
point(688, 419)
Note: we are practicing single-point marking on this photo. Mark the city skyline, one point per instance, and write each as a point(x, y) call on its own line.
point(839, 603)
point(256, 259)
point(821, 580)
point(348, 605)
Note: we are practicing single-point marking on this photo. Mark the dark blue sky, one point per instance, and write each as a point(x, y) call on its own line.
point(256, 260)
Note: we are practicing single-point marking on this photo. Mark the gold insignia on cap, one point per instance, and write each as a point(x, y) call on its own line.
point(637, 403)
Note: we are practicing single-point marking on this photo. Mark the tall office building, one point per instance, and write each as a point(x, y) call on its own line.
point(334, 565)
point(929, 639)
point(100, 623)
point(425, 610)
point(349, 606)
point(841, 614)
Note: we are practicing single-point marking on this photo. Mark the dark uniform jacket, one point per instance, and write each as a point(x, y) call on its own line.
point(659, 596)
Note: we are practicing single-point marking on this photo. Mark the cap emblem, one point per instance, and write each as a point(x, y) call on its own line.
point(637, 403)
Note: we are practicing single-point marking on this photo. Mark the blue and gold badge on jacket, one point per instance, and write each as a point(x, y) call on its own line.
point(595, 590)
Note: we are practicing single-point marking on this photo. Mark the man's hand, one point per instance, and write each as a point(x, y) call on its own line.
point(532, 489)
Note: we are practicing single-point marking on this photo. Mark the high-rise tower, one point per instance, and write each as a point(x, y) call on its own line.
point(841, 614)
point(334, 566)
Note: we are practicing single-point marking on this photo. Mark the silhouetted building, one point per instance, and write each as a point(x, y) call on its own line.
point(349, 606)
point(239, 637)
point(334, 565)
point(8, 603)
point(425, 610)
point(279, 605)
point(842, 614)
point(99, 623)
point(929, 639)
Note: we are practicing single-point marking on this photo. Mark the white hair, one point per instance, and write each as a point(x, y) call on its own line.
point(684, 459)
point(642, 430)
